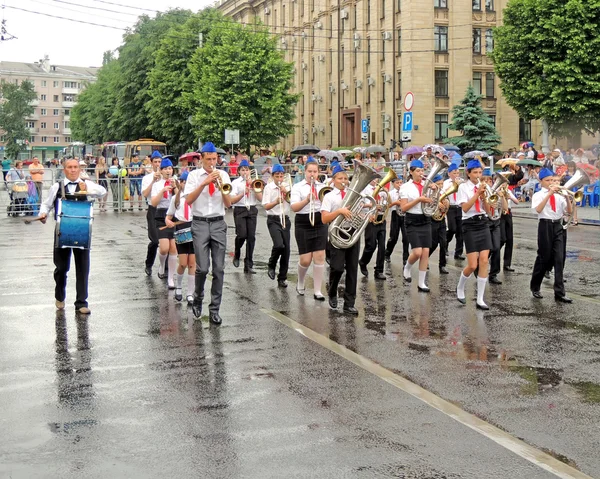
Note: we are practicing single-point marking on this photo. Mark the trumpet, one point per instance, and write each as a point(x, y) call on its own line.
point(257, 184)
point(224, 188)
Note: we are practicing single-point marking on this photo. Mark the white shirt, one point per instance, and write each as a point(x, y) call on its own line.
point(156, 187)
point(547, 213)
point(395, 196)
point(270, 194)
point(147, 181)
point(239, 186)
point(333, 200)
point(453, 198)
point(93, 190)
point(206, 205)
point(466, 191)
point(183, 212)
point(410, 192)
point(300, 192)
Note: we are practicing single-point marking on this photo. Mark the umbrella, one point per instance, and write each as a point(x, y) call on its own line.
point(589, 169)
point(190, 156)
point(589, 155)
point(474, 153)
point(221, 151)
point(451, 147)
point(360, 149)
point(506, 161)
point(436, 149)
point(345, 152)
point(457, 161)
point(376, 149)
point(330, 155)
point(305, 150)
point(412, 150)
point(529, 161)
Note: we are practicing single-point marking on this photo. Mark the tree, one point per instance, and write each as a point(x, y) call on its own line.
point(546, 56)
point(243, 82)
point(171, 105)
point(478, 131)
point(14, 111)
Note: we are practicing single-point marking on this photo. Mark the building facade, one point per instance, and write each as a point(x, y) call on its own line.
point(57, 88)
point(356, 60)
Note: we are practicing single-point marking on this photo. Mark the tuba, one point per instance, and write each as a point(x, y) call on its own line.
point(491, 196)
point(434, 195)
point(578, 180)
point(440, 213)
point(383, 206)
point(344, 233)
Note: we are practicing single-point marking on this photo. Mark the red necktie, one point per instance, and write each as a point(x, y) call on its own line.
point(314, 190)
point(420, 188)
point(343, 194)
point(186, 211)
point(477, 204)
point(247, 186)
point(166, 193)
point(211, 188)
point(553, 202)
point(454, 196)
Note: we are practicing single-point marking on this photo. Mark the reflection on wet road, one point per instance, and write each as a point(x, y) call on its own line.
point(143, 390)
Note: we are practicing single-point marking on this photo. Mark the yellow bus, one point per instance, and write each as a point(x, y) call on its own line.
point(143, 147)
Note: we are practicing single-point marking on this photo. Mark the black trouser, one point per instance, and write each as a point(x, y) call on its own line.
point(152, 236)
point(344, 259)
point(495, 251)
point(396, 227)
point(550, 253)
point(455, 228)
point(245, 231)
point(281, 245)
point(374, 240)
point(506, 237)
point(62, 261)
point(439, 237)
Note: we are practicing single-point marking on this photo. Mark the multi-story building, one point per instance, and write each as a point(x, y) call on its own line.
point(357, 59)
point(57, 88)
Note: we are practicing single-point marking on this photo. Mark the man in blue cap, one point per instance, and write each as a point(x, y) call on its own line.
point(244, 199)
point(495, 214)
point(454, 214)
point(550, 208)
point(147, 184)
point(207, 192)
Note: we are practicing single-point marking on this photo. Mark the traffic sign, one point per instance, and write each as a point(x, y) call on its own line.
point(407, 121)
point(364, 136)
point(406, 136)
point(409, 101)
point(232, 137)
point(364, 125)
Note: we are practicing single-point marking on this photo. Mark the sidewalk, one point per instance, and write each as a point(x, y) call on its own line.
point(585, 215)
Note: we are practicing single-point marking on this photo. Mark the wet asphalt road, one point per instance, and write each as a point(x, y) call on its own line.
point(142, 390)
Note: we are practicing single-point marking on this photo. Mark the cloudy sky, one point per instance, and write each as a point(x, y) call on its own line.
point(69, 42)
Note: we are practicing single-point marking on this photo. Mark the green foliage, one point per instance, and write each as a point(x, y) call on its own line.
point(14, 111)
point(546, 56)
point(241, 81)
point(478, 131)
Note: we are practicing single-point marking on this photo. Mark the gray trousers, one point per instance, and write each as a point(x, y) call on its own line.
point(210, 243)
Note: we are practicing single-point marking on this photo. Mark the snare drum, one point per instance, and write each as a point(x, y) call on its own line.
point(74, 224)
point(183, 235)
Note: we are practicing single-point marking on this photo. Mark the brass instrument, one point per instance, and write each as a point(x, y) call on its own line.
point(491, 192)
point(382, 207)
point(433, 194)
point(344, 233)
point(287, 182)
point(224, 188)
point(257, 184)
point(440, 212)
point(323, 191)
point(311, 203)
point(578, 180)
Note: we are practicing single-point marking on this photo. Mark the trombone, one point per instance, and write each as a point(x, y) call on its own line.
point(257, 184)
point(287, 198)
point(311, 203)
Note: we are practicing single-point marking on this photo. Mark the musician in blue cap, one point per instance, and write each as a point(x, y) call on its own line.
point(207, 191)
point(550, 208)
point(454, 214)
point(496, 210)
point(244, 199)
point(147, 184)
point(438, 228)
point(476, 232)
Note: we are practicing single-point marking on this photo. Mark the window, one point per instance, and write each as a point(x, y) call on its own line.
point(368, 11)
point(477, 40)
point(55, 112)
point(43, 125)
point(493, 120)
point(489, 85)
point(30, 124)
point(43, 97)
point(489, 5)
point(441, 83)
point(441, 127)
point(440, 35)
point(68, 139)
point(477, 5)
point(44, 139)
point(56, 127)
point(43, 82)
point(55, 98)
point(399, 43)
point(70, 84)
point(440, 3)
point(57, 139)
point(489, 40)
point(32, 139)
point(67, 112)
point(55, 84)
point(69, 97)
point(524, 130)
point(43, 111)
point(368, 50)
point(477, 82)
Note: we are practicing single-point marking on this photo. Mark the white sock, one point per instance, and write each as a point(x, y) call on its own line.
point(481, 282)
point(191, 284)
point(422, 276)
point(163, 261)
point(172, 267)
point(407, 268)
point(178, 281)
point(301, 275)
point(318, 271)
point(462, 282)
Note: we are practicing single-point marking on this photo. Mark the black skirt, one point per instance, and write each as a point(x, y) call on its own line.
point(310, 238)
point(418, 229)
point(159, 219)
point(476, 234)
point(184, 248)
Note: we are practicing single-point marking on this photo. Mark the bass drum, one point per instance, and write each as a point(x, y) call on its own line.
point(74, 224)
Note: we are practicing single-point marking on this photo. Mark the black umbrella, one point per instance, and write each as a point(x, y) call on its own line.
point(305, 150)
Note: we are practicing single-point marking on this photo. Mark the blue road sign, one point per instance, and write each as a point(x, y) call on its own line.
point(364, 125)
point(407, 121)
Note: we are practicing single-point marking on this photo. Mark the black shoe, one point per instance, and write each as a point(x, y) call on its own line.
point(547, 275)
point(537, 295)
point(443, 270)
point(408, 280)
point(333, 302)
point(483, 306)
point(236, 262)
point(178, 296)
point(271, 273)
point(388, 259)
point(282, 283)
point(148, 271)
point(459, 257)
point(197, 309)
point(462, 300)
point(563, 299)
point(423, 290)
point(509, 269)
point(214, 318)
point(249, 271)
point(494, 280)
point(319, 297)
point(363, 270)
point(351, 310)
point(162, 276)
point(380, 276)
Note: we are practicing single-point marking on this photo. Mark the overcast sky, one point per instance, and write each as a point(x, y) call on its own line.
point(72, 43)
